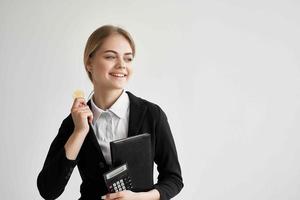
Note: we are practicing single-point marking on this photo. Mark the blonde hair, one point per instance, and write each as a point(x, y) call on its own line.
point(97, 38)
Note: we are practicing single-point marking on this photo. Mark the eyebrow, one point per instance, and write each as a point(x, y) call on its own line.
point(112, 51)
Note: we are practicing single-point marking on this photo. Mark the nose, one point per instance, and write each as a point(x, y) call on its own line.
point(121, 64)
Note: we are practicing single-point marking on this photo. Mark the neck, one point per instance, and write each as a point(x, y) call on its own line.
point(104, 99)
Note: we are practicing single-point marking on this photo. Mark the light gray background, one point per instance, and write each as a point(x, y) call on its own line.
point(227, 74)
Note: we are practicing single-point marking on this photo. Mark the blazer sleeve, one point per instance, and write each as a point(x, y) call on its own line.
point(57, 168)
point(170, 180)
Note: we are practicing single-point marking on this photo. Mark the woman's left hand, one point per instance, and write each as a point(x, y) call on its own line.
point(123, 195)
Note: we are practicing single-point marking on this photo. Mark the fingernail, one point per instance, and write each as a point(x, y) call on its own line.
point(103, 197)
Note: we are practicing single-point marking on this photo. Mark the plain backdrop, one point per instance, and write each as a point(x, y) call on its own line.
point(227, 74)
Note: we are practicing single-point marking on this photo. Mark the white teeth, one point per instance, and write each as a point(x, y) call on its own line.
point(118, 75)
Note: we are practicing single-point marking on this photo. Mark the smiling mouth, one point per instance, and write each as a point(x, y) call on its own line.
point(118, 75)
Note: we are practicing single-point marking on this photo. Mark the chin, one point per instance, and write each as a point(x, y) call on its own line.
point(118, 87)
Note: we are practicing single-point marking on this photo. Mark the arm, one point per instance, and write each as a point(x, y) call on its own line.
point(169, 179)
point(62, 156)
point(57, 168)
point(129, 195)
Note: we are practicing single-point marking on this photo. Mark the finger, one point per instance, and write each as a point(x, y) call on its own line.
point(78, 104)
point(114, 195)
point(84, 108)
point(78, 101)
point(87, 114)
point(91, 117)
point(78, 110)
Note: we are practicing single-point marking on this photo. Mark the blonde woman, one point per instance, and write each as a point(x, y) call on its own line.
point(83, 137)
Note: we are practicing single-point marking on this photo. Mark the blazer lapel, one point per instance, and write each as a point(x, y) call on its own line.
point(92, 137)
point(136, 114)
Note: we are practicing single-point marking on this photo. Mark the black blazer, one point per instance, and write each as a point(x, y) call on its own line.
point(144, 117)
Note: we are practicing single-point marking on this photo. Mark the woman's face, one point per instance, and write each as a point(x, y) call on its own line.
point(111, 64)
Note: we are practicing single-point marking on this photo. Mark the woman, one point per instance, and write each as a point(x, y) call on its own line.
point(84, 135)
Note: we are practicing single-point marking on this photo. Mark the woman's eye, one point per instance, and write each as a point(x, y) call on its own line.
point(110, 57)
point(129, 59)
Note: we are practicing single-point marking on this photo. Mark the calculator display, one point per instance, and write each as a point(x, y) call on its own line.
point(116, 171)
point(118, 179)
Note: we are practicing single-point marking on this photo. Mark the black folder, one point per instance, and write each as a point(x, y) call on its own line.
point(136, 152)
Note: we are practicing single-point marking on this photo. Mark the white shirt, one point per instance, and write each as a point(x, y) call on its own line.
point(118, 116)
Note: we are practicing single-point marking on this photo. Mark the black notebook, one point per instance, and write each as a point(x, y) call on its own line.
point(136, 152)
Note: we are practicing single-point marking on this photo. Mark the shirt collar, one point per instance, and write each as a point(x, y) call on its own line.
point(119, 108)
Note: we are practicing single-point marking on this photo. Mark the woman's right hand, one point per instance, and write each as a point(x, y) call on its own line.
point(81, 115)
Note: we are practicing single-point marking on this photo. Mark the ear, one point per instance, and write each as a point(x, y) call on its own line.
point(89, 68)
point(90, 65)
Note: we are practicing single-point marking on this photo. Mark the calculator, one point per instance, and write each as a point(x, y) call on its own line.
point(118, 179)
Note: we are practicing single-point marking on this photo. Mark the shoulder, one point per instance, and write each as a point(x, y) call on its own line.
point(151, 107)
point(68, 120)
point(67, 125)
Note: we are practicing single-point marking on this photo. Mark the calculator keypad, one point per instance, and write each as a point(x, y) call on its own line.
point(118, 179)
point(121, 184)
